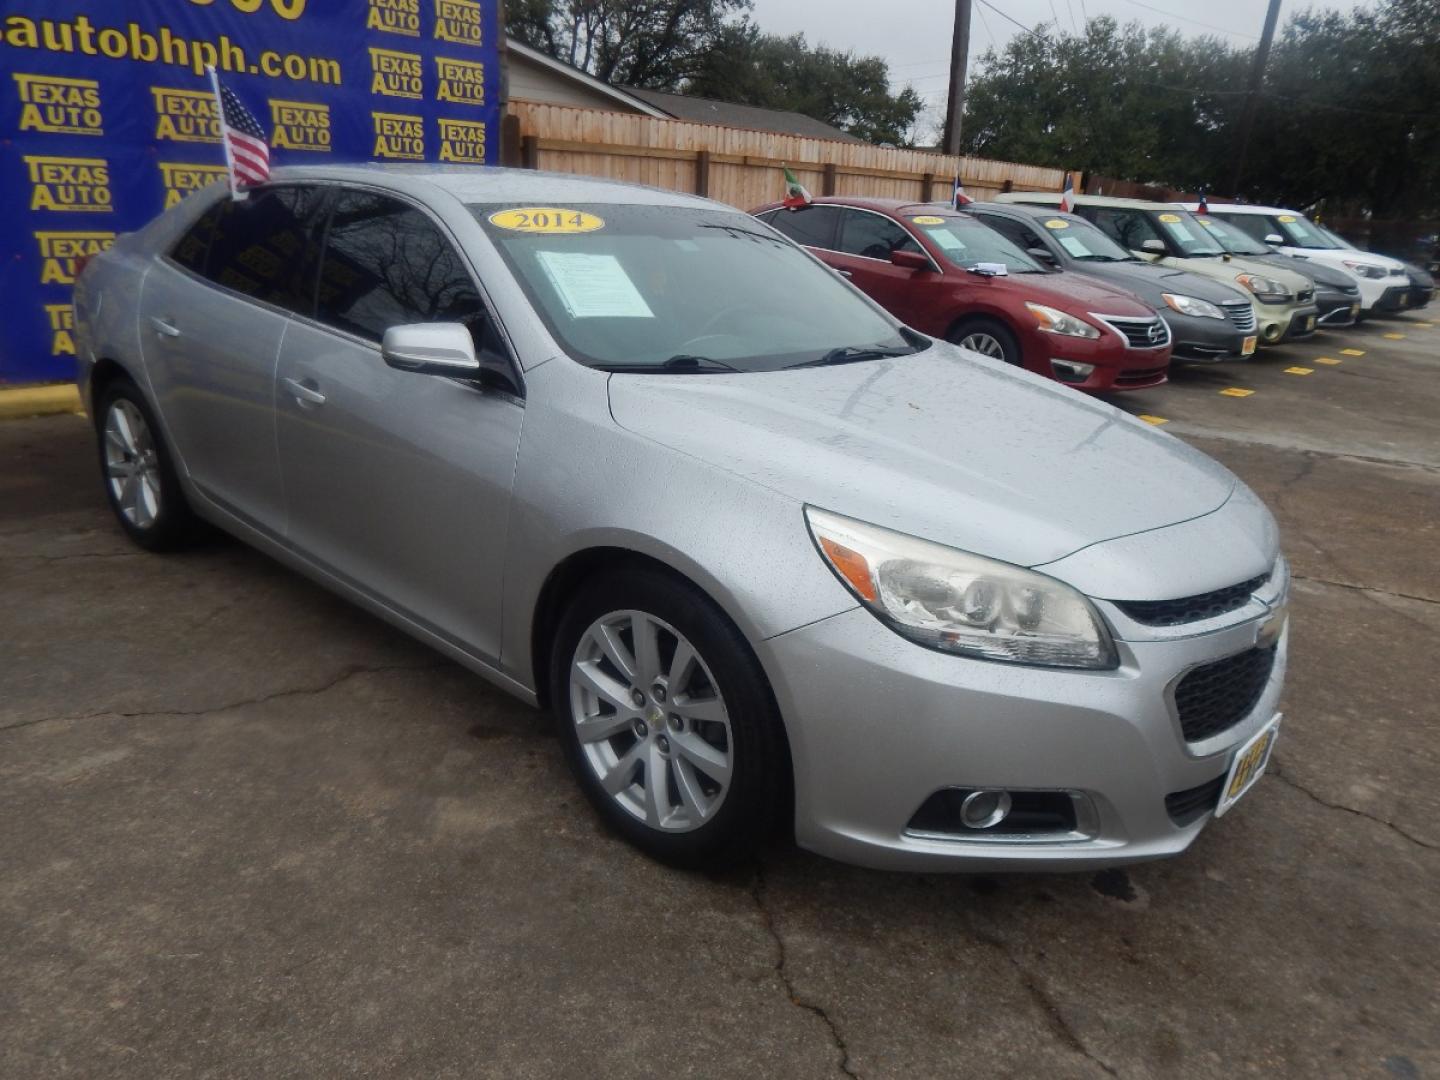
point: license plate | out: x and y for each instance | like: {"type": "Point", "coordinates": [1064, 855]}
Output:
{"type": "Point", "coordinates": [1248, 764]}
{"type": "Point", "coordinates": [1355, 311]}
{"type": "Point", "coordinates": [1248, 345]}
{"type": "Point", "coordinates": [1404, 299]}
{"type": "Point", "coordinates": [1309, 322]}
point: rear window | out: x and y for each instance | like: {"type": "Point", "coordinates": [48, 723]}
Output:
{"type": "Point", "coordinates": [262, 246]}
{"type": "Point", "coordinates": [810, 226]}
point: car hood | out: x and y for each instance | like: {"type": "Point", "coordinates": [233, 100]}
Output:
{"type": "Point", "coordinates": [944, 445]}
{"type": "Point", "coordinates": [1151, 279]}
{"type": "Point", "coordinates": [1078, 294]}
{"type": "Point", "coordinates": [1316, 272]}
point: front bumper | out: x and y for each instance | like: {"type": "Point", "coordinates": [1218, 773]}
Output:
{"type": "Point", "coordinates": [1336, 309]}
{"type": "Point", "coordinates": [1394, 298]}
{"type": "Point", "coordinates": [1297, 323]}
{"type": "Point", "coordinates": [1207, 340]}
{"type": "Point", "coordinates": [877, 724]}
{"type": "Point", "coordinates": [1421, 295]}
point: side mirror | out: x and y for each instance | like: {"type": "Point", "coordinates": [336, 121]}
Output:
{"type": "Point", "coordinates": [1043, 254]}
{"type": "Point", "coordinates": [1275, 239]}
{"type": "Point", "coordinates": [911, 260]}
{"type": "Point", "coordinates": [431, 349]}
{"type": "Point", "coordinates": [1154, 247]}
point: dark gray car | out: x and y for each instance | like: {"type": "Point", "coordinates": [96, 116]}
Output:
{"type": "Point", "coordinates": [1208, 320]}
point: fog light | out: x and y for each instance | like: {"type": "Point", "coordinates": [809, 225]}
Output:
{"type": "Point", "coordinates": [984, 809]}
{"type": "Point", "coordinates": [1070, 371]}
{"type": "Point", "coordinates": [1271, 331]}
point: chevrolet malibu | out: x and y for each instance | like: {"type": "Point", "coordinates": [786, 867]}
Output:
{"type": "Point", "coordinates": [771, 558]}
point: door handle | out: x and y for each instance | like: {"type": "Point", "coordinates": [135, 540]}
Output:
{"type": "Point", "coordinates": [844, 273]}
{"type": "Point", "coordinates": [163, 327]}
{"type": "Point", "coordinates": [305, 392]}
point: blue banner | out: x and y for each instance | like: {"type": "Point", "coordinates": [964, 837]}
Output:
{"type": "Point", "coordinates": [107, 118]}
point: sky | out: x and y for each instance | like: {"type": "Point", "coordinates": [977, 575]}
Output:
{"type": "Point", "coordinates": [914, 35]}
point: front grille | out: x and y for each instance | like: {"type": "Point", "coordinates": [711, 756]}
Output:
{"type": "Point", "coordinates": [1192, 608]}
{"type": "Point", "coordinates": [1242, 314]}
{"type": "Point", "coordinates": [1140, 376]}
{"type": "Point", "coordinates": [1215, 697]}
{"type": "Point", "coordinates": [1194, 803]}
{"type": "Point", "coordinates": [1304, 296]}
{"type": "Point", "coordinates": [1141, 333]}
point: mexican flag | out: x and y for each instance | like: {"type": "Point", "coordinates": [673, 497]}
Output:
{"type": "Point", "coordinates": [795, 193]}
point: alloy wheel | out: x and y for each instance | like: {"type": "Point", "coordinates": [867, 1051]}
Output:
{"type": "Point", "coordinates": [984, 344]}
{"type": "Point", "coordinates": [132, 465]}
{"type": "Point", "coordinates": [651, 722]}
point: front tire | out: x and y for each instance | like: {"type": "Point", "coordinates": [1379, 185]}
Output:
{"type": "Point", "coordinates": [138, 472]}
{"type": "Point", "coordinates": [667, 720]}
{"type": "Point", "coordinates": [988, 337]}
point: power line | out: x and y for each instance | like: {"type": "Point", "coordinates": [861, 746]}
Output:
{"type": "Point", "coordinates": [1186, 18]}
{"type": "Point", "coordinates": [1010, 18]}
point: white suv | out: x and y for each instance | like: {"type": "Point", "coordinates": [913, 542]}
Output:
{"type": "Point", "coordinates": [1384, 284]}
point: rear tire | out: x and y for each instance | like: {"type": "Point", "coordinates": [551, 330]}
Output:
{"type": "Point", "coordinates": [988, 337]}
{"type": "Point", "coordinates": [667, 719]}
{"type": "Point", "coordinates": [138, 472]}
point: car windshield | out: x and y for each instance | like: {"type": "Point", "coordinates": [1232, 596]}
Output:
{"type": "Point", "coordinates": [1335, 238]}
{"type": "Point", "coordinates": [1232, 239]}
{"type": "Point", "coordinates": [966, 243]}
{"type": "Point", "coordinates": [1084, 241]}
{"type": "Point", "coordinates": [1187, 234]}
{"type": "Point", "coordinates": [1301, 233]}
{"type": "Point", "coordinates": [678, 289]}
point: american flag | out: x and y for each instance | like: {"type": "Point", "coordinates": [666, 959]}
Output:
{"type": "Point", "coordinates": [247, 151]}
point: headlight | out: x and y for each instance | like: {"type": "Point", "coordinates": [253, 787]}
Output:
{"type": "Point", "coordinates": [1366, 270]}
{"type": "Point", "coordinates": [1267, 290]}
{"type": "Point", "coordinates": [955, 602]}
{"type": "Point", "coordinates": [1193, 305]}
{"type": "Point", "coordinates": [1057, 322]}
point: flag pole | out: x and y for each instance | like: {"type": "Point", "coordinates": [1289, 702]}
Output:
{"type": "Point", "coordinates": [220, 117]}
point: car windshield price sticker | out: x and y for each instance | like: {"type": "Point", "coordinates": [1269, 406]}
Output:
{"type": "Point", "coordinates": [1056, 223]}
{"type": "Point", "coordinates": [1287, 219]}
{"type": "Point", "coordinates": [928, 220]}
{"type": "Point", "coordinates": [1075, 246]}
{"type": "Point", "coordinates": [946, 239]}
{"type": "Point", "coordinates": [546, 221]}
{"type": "Point", "coordinates": [593, 286]}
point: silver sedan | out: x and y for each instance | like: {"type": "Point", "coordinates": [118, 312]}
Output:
{"type": "Point", "coordinates": [773, 560]}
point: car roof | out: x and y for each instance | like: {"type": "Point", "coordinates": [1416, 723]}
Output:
{"type": "Point", "coordinates": [1250, 208]}
{"type": "Point", "coordinates": [1052, 198]}
{"type": "Point", "coordinates": [482, 184]}
{"type": "Point", "coordinates": [1030, 210]}
{"type": "Point", "coordinates": [893, 207]}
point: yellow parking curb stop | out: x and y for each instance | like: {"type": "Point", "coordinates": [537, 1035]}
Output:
{"type": "Point", "coordinates": [1393, 337]}
{"type": "Point", "coordinates": [1352, 352]}
{"type": "Point", "coordinates": [1156, 420]}
{"type": "Point", "coordinates": [19, 401]}
{"type": "Point", "coordinates": [1299, 371]}
{"type": "Point", "coordinates": [1235, 391]}
{"type": "Point", "coordinates": [1326, 360]}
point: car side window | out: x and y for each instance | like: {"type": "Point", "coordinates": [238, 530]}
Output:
{"type": "Point", "coordinates": [872, 236]}
{"type": "Point", "coordinates": [263, 246]}
{"type": "Point", "coordinates": [386, 264]}
{"type": "Point", "coordinates": [192, 249]}
{"type": "Point", "coordinates": [1256, 226]}
{"type": "Point", "coordinates": [812, 226]}
{"type": "Point", "coordinates": [1128, 228]}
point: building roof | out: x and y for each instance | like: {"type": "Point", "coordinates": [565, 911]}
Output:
{"type": "Point", "coordinates": [699, 110]}
{"type": "Point", "coordinates": [623, 98]}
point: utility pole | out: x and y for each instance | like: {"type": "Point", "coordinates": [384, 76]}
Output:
{"type": "Point", "coordinates": [1252, 100]}
{"type": "Point", "coordinates": [959, 61]}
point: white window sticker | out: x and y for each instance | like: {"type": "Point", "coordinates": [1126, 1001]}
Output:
{"type": "Point", "coordinates": [1075, 246]}
{"type": "Point", "coordinates": [593, 286]}
{"type": "Point", "coordinates": [1179, 230]}
{"type": "Point", "coordinates": [946, 239]}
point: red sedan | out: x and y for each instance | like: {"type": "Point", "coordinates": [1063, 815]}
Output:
{"type": "Point", "coordinates": [949, 276]}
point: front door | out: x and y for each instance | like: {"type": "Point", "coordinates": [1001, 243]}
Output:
{"type": "Point", "coordinates": [397, 482]}
{"type": "Point", "coordinates": [862, 254]}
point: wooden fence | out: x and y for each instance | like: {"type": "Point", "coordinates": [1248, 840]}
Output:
{"type": "Point", "coordinates": [741, 166]}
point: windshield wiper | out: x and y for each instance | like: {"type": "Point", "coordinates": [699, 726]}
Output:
{"type": "Point", "coordinates": [850, 354]}
{"type": "Point", "coordinates": [685, 363]}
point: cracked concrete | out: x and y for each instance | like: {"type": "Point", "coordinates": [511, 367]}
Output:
{"type": "Point", "coordinates": [251, 830]}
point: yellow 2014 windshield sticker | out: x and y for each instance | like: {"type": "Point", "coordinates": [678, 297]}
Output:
{"type": "Point", "coordinates": [1057, 223]}
{"type": "Point", "coordinates": [928, 220]}
{"type": "Point", "coordinates": [546, 220]}
{"type": "Point", "coordinates": [1170, 219]}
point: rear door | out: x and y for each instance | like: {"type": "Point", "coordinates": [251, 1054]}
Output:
{"type": "Point", "coordinates": [214, 312]}
{"type": "Point", "coordinates": [399, 483]}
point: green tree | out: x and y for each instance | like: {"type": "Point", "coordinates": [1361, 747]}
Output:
{"type": "Point", "coordinates": [848, 91]}
{"type": "Point", "coordinates": [655, 44]}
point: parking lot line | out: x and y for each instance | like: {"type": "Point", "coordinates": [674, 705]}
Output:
{"type": "Point", "coordinates": [1157, 420]}
{"type": "Point", "coordinates": [1352, 352]}
{"type": "Point", "coordinates": [1299, 371]}
{"type": "Point", "coordinates": [1426, 325]}
{"type": "Point", "coordinates": [1235, 391]}
{"type": "Point", "coordinates": [1326, 360]}
{"type": "Point", "coordinates": [1393, 337]}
